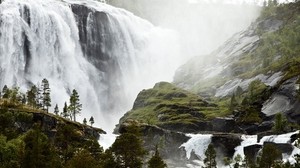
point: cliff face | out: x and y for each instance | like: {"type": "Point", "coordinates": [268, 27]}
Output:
{"type": "Point", "coordinates": [240, 88]}
{"type": "Point", "coordinates": [19, 122]}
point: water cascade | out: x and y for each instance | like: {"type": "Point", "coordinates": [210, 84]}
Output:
{"type": "Point", "coordinates": [107, 54]}
{"type": "Point", "coordinates": [199, 143]}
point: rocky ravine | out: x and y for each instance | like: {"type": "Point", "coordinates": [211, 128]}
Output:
{"type": "Point", "coordinates": [238, 89]}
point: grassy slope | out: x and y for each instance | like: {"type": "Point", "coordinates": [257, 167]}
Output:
{"type": "Point", "coordinates": [167, 104]}
{"type": "Point", "coordinates": [277, 51]}
{"type": "Point", "coordinates": [6, 105]}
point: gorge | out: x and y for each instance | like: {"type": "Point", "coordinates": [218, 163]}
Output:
{"type": "Point", "coordinates": [223, 92]}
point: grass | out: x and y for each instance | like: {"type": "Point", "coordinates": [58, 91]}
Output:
{"type": "Point", "coordinates": [20, 109]}
{"type": "Point", "coordinates": [165, 103]}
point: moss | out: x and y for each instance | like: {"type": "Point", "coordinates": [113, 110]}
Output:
{"type": "Point", "coordinates": [165, 103]}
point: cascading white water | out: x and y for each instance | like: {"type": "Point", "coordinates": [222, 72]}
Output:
{"type": "Point", "coordinates": [282, 138]}
{"type": "Point", "coordinates": [198, 143]}
{"type": "Point", "coordinates": [108, 61]}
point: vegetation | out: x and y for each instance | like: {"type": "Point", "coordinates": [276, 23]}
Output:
{"type": "Point", "coordinates": [156, 161]}
{"type": "Point", "coordinates": [75, 106]}
{"type": "Point", "coordinates": [280, 123]}
{"type": "Point", "coordinates": [46, 99]}
{"type": "Point", "coordinates": [127, 149]}
{"type": "Point", "coordinates": [210, 160]}
{"type": "Point", "coordinates": [166, 104]}
{"type": "Point", "coordinates": [269, 154]}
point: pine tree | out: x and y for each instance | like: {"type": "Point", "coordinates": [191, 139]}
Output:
{"type": "Point", "coordinates": [32, 96]}
{"type": "Point", "coordinates": [15, 95]}
{"type": "Point", "coordinates": [128, 149]}
{"type": "Point", "coordinates": [269, 154]}
{"type": "Point", "coordinates": [24, 100]}
{"type": "Point", "coordinates": [82, 159]}
{"type": "Point", "coordinates": [38, 151]}
{"type": "Point", "coordinates": [156, 161]}
{"type": "Point", "coordinates": [75, 106]}
{"type": "Point", "coordinates": [65, 113]}
{"type": "Point", "coordinates": [46, 100]}
{"type": "Point", "coordinates": [92, 121]}
{"type": "Point", "coordinates": [38, 97]}
{"type": "Point", "coordinates": [210, 160]}
{"type": "Point", "coordinates": [5, 92]}
{"type": "Point", "coordinates": [84, 121]}
{"type": "Point", "coordinates": [56, 110]}
{"type": "Point", "coordinates": [280, 123]}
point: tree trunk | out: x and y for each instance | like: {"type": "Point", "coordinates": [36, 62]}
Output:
{"type": "Point", "coordinates": [74, 116]}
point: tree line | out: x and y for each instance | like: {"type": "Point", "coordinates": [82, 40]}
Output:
{"type": "Point", "coordinates": [39, 97]}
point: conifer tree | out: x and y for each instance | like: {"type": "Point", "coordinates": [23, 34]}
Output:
{"type": "Point", "coordinates": [156, 161]}
{"type": "Point", "coordinates": [65, 113]}
{"type": "Point", "coordinates": [92, 121]}
{"type": "Point", "coordinates": [15, 95]}
{"type": "Point", "coordinates": [210, 160]}
{"type": "Point", "coordinates": [24, 100]}
{"type": "Point", "coordinates": [32, 96]}
{"type": "Point", "coordinates": [75, 106]}
{"type": "Point", "coordinates": [5, 92]}
{"type": "Point", "coordinates": [46, 100]}
{"type": "Point", "coordinates": [84, 121]}
{"type": "Point", "coordinates": [38, 151]}
{"type": "Point", "coordinates": [280, 123]}
{"type": "Point", "coordinates": [38, 97]}
{"type": "Point", "coordinates": [269, 154]}
{"type": "Point", "coordinates": [56, 110]}
{"type": "Point", "coordinates": [128, 149]}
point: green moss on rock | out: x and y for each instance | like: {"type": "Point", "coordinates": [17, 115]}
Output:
{"type": "Point", "coordinates": [166, 105]}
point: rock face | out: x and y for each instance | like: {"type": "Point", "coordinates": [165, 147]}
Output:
{"type": "Point", "coordinates": [23, 121]}
{"type": "Point", "coordinates": [226, 143]}
{"type": "Point", "coordinates": [252, 151]}
{"type": "Point", "coordinates": [223, 124]}
{"type": "Point", "coordinates": [169, 142]}
{"type": "Point", "coordinates": [172, 108]}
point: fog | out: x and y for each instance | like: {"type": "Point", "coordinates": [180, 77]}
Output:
{"type": "Point", "coordinates": [203, 25]}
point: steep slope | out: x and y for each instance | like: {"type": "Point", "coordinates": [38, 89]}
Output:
{"type": "Point", "coordinates": [253, 78]}
{"type": "Point", "coordinates": [170, 107]}
{"type": "Point", "coordinates": [267, 52]}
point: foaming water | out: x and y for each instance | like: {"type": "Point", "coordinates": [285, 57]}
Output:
{"type": "Point", "coordinates": [199, 143]}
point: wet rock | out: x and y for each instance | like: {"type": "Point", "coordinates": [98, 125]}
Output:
{"type": "Point", "coordinates": [226, 143]}
{"type": "Point", "coordinates": [265, 126]}
{"type": "Point", "coordinates": [223, 124]}
{"type": "Point", "coordinates": [251, 151]}
{"type": "Point", "coordinates": [170, 140]}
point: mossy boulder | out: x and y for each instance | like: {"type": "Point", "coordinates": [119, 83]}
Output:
{"type": "Point", "coordinates": [170, 107]}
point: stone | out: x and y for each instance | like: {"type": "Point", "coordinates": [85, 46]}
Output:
{"type": "Point", "coordinates": [223, 124]}
{"type": "Point", "coordinates": [226, 143]}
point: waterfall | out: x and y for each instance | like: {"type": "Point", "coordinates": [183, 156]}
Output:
{"type": "Point", "coordinates": [107, 54]}
{"type": "Point", "coordinates": [198, 143]}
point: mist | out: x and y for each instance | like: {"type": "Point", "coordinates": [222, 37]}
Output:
{"type": "Point", "coordinates": [202, 25]}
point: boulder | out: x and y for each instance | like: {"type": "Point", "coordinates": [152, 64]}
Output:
{"type": "Point", "coordinates": [223, 124]}
{"type": "Point", "coordinates": [251, 152]}
{"type": "Point", "coordinates": [226, 143]}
